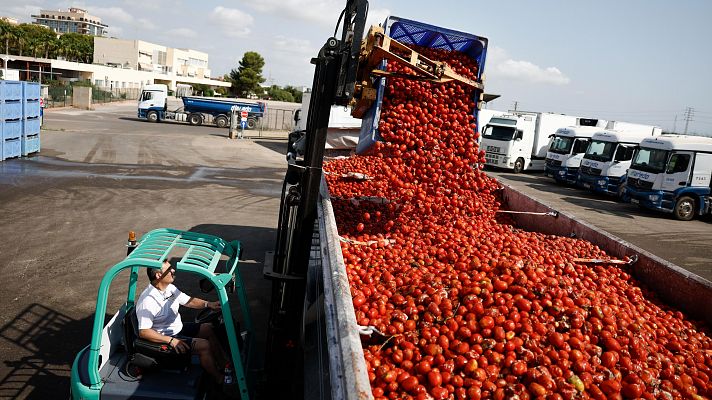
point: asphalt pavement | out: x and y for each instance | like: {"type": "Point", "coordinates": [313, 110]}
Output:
{"type": "Point", "coordinates": [65, 215]}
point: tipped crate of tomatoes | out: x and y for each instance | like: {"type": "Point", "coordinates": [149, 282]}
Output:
{"type": "Point", "coordinates": [468, 306]}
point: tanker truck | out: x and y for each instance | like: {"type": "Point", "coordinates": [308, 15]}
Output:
{"type": "Point", "coordinates": [153, 107]}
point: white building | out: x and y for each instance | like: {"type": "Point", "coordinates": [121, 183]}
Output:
{"type": "Point", "coordinates": [105, 76]}
{"type": "Point", "coordinates": [172, 66]}
{"type": "Point", "coordinates": [74, 20]}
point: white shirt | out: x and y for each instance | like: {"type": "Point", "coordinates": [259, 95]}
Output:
{"type": "Point", "coordinates": [159, 310]}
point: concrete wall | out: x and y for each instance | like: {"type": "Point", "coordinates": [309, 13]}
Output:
{"type": "Point", "coordinates": [81, 97]}
{"type": "Point", "coordinates": [115, 51]}
{"type": "Point", "coordinates": [674, 285]}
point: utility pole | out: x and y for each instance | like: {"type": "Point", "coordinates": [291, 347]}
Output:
{"type": "Point", "coordinates": [674, 125]}
{"type": "Point", "coordinates": [689, 113]}
{"type": "Point", "coordinates": [515, 105]}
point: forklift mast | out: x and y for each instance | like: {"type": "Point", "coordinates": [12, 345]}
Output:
{"type": "Point", "coordinates": [334, 81]}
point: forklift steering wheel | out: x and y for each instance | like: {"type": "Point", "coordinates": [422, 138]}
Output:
{"type": "Point", "coordinates": [209, 315]}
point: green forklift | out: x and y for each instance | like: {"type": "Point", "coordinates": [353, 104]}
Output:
{"type": "Point", "coordinates": [120, 365]}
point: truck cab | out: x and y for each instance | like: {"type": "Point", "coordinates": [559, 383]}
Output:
{"type": "Point", "coordinates": [673, 174]}
{"type": "Point", "coordinates": [566, 151]}
{"type": "Point", "coordinates": [153, 102]}
{"type": "Point", "coordinates": [607, 158]}
{"type": "Point", "coordinates": [505, 143]}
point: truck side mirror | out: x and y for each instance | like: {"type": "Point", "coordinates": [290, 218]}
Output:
{"type": "Point", "coordinates": [519, 135]}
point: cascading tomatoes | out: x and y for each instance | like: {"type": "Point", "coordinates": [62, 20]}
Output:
{"type": "Point", "coordinates": [475, 307]}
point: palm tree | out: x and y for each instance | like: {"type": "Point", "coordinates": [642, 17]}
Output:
{"type": "Point", "coordinates": [8, 33]}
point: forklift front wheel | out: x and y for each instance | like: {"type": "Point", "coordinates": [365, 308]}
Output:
{"type": "Point", "coordinates": [195, 119]}
{"type": "Point", "coordinates": [152, 116]}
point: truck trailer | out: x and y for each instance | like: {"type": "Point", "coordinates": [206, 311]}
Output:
{"type": "Point", "coordinates": [153, 107]}
{"type": "Point", "coordinates": [673, 174]}
{"type": "Point", "coordinates": [519, 140]}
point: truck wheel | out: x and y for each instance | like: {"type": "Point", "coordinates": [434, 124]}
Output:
{"type": "Point", "coordinates": [251, 123]}
{"type": "Point", "coordinates": [519, 165]}
{"type": "Point", "coordinates": [221, 121]}
{"type": "Point", "coordinates": [195, 119]}
{"type": "Point", "coordinates": [152, 116]}
{"type": "Point", "coordinates": [684, 209]}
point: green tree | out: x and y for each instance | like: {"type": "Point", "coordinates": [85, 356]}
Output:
{"type": "Point", "coordinates": [246, 79]}
{"type": "Point", "coordinates": [296, 93]}
{"type": "Point", "coordinates": [277, 93]}
{"type": "Point", "coordinates": [8, 35]}
{"type": "Point", "coordinates": [76, 47]}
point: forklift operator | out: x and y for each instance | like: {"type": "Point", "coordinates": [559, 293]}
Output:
{"type": "Point", "coordinates": [159, 320]}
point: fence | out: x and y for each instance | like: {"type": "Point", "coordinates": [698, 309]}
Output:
{"type": "Point", "coordinates": [61, 95]}
{"type": "Point", "coordinates": [277, 119]}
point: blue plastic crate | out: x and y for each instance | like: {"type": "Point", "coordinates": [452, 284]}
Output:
{"type": "Point", "coordinates": [11, 129]}
{"type": "Point", "coordinates": [11, 109]}
{"type": "Point", "coordinates": [411, 32]}
{"type": "Point", "coordinates": [10, 90]}
{"type": "Point", "coordinates": [30, 144]}
{"type": "Point", "coordinates": [30, 108]}
{"type": "Point", "coordinates": [30, 90]}
{"type": "Point", "coordinates": [30, 126]}
{"type": "Point", "coordinates": [11, 148]}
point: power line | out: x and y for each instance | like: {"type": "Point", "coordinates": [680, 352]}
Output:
{"type": "Point", "coordinates": [689, 113]}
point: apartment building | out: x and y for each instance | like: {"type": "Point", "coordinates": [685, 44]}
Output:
{"type": "Point", "coordinates": [74, 20]}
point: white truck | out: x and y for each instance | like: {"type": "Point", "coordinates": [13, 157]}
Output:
{"type": "Point", "coordinates": [672, 173]}
{"type": "Point", "coordinates": [567, 149]}
{"type": "Point", "coordinates": [608, 156]}
{"type": "Point", "coordinates": [518, 140]}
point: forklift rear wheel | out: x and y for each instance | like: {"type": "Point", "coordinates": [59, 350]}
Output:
{"type": "Point", "coordinates": [519, 165]}
{"type": "Point", "coordinates": [251, 123]}
{"type": "Point", "coordinates": [152, 116]}
{"type": "Point", "coordinates": [685, 209]}
{"type": "Point", "coordinates": [195, 119]}
{"type": "Point", "coordinates": [221, 121]}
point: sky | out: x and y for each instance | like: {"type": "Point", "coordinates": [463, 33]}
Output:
{"type": "Point", "coordinates": [643, 61]}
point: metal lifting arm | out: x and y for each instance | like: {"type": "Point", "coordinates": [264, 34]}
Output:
{"type": "Point", "coordinates": [378, 47]}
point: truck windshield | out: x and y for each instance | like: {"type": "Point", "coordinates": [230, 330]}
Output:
{"type": "Point", "coordinates": [499, 132]}
{"type": "Point", "coordinates": [561, 145]}
{"type": "Point", "coordinates": [600, 151]}
{"type": "Point", "coordinates": [650, 160]}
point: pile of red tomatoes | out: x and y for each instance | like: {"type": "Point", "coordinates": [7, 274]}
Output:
{"type": "Point", "coordinates": [471, 306]}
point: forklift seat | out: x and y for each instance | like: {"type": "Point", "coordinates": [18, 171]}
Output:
{"type": "Point", "coordinates": [144, 355]}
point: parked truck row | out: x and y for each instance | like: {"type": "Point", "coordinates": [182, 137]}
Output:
{"type": "Point", "coordinates": [634, 162]}
{"type": "Point", "coordinates": [669, 173]}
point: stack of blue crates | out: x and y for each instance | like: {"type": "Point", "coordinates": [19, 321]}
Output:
{"type": "Point", "coordinates": [11, 104]}
{"type": "Point", "coordinates": [30, 118]}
